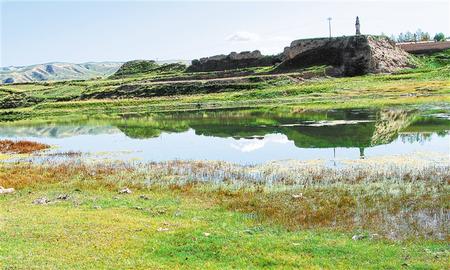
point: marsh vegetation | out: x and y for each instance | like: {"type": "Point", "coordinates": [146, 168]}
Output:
{"type": "Point", "coordinates": [300, 170]}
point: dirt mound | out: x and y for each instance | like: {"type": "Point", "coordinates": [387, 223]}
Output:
{"type": "Point", "coordinates": [349, 56]}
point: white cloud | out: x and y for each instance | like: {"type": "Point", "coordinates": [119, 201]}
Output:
{"type": "Point", "coordinates": [250, 145]}
{"type": "Point", "coordinates": [242, 36]}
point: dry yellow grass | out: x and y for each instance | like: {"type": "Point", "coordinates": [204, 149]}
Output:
{"type": "Point", "coordinates": [21, 147]}
{"type": "Point", "coordinates": [397, 207]}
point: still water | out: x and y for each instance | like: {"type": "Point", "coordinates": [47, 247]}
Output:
{"type": "Point", "coordinates": [247, 136]}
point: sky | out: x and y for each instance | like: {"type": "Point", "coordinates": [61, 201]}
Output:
{"type": "Point", "coordinates": [34, 32]}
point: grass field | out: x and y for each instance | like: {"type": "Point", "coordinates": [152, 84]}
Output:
{"type": "Point", "coordinates": [214, 215]}
{"type": "Point", "coordinates": [82, 222]}
{"type": "Point", "coordinates": [174, 90]}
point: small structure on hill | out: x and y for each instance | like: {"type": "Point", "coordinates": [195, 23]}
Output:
{"type": "Point", "coordinates": [357, 26]}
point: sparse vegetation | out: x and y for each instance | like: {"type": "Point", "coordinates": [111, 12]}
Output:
{"type": "Point", "coordinates": [67, 213]}
{"type": "Point", "coordinates": [176, 219]}
{"type": "Point", "coordinates": [20, 147]}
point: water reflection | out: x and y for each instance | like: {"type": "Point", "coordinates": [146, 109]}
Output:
{"type": "Point", "coordinates": [248, 136]}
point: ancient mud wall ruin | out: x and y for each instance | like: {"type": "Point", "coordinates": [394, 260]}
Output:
{"type": "Point", "coordinates": [349, 56]}
{"type": "Point", "coordinates": [233, 61]}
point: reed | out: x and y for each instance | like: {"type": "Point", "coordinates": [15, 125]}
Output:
{"type": "Point", "coordinates": [396, 201]}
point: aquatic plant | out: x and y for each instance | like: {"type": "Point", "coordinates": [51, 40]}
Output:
{"type": "Point", "coordinates": [395, 200]}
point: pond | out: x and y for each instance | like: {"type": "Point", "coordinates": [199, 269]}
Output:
{"type": "Point", "coordinates": [246, 136]}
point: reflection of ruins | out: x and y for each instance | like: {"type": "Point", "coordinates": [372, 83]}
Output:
{"type": "Point", "coordinates": [359, 129]}
{"type": "Point", "coordinates": [333, 129]}
{"type": "Point", "coordinates": [388, 124]}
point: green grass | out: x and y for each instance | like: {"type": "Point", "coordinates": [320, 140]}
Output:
{"type": "Point", "coordinates": [94, 226]}
{"type": "Point", "coordinates": [154, 92]}
{"type": "Point", "coordinates": [224, 226]}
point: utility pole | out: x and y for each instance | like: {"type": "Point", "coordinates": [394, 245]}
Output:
{"type": "Point", "coordinates": [329, 25]}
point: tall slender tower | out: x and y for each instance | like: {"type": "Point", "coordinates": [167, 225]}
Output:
{"type": "Point", "coordinates": [358, 32]}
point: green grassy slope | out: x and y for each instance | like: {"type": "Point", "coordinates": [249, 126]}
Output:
{"type": "Point", "coordinates": [171, 89]}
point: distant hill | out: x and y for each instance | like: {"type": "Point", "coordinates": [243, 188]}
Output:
{"type": "Point", "coordinates": [57, 71]}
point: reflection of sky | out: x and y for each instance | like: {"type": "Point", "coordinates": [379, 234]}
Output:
{"type": "Point", "coordinates": [188, 146]}
{"type": "Point", "coordinates": [250, 145]}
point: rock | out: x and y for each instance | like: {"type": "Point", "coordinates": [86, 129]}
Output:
{"type": "Point", "coordinates": [357, 237]}
{"type": "Point", "coordinates": [161, 229]}
{"type": "Point", "coordinates": [6, 190]}
{"type": "Point", "coordinates": [161, 211]}
{"type": "Point", "coordinates": [206, 234]}
{"type": "Point", "coordinates": [42, 200]}
{"type": "Point", "coordinates": [125, 191]}
{"type": "Point", "coordinates": [62, 197]}
{"type": "Point", "coordinates": [144, 197]}
{"type": "Point", "coordinates": [297, 196]}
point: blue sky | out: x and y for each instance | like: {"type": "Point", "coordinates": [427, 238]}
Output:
{"type": "Point", "coordinates": [80, 31]}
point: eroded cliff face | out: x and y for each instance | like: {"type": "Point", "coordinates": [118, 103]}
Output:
{"type": "Point", "coordinates": [348, 56]}
{"type": "Point", "coordinates": [233, 61]}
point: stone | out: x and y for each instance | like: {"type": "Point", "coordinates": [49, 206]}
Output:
{"type": "Point", "coordinates": [42, 200]}
{"type": "Point", "coordinates": [6, 190]}
{"type": "Point", "coordinates": [62, 197]}
{"type": "Point", "coordinates": [125, 191]}
{"type": "Point", "coordinates": [357, 237]}
{"type": "Point", "coordinates": [297, 196]}
{"type": "Point", "coordinates": [161, 229]}
{"type": "Point", "coordinates": [206, 234]}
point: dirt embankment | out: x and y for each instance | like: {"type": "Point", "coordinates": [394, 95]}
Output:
{"type": "Point", "coordinates": [349, 56]}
